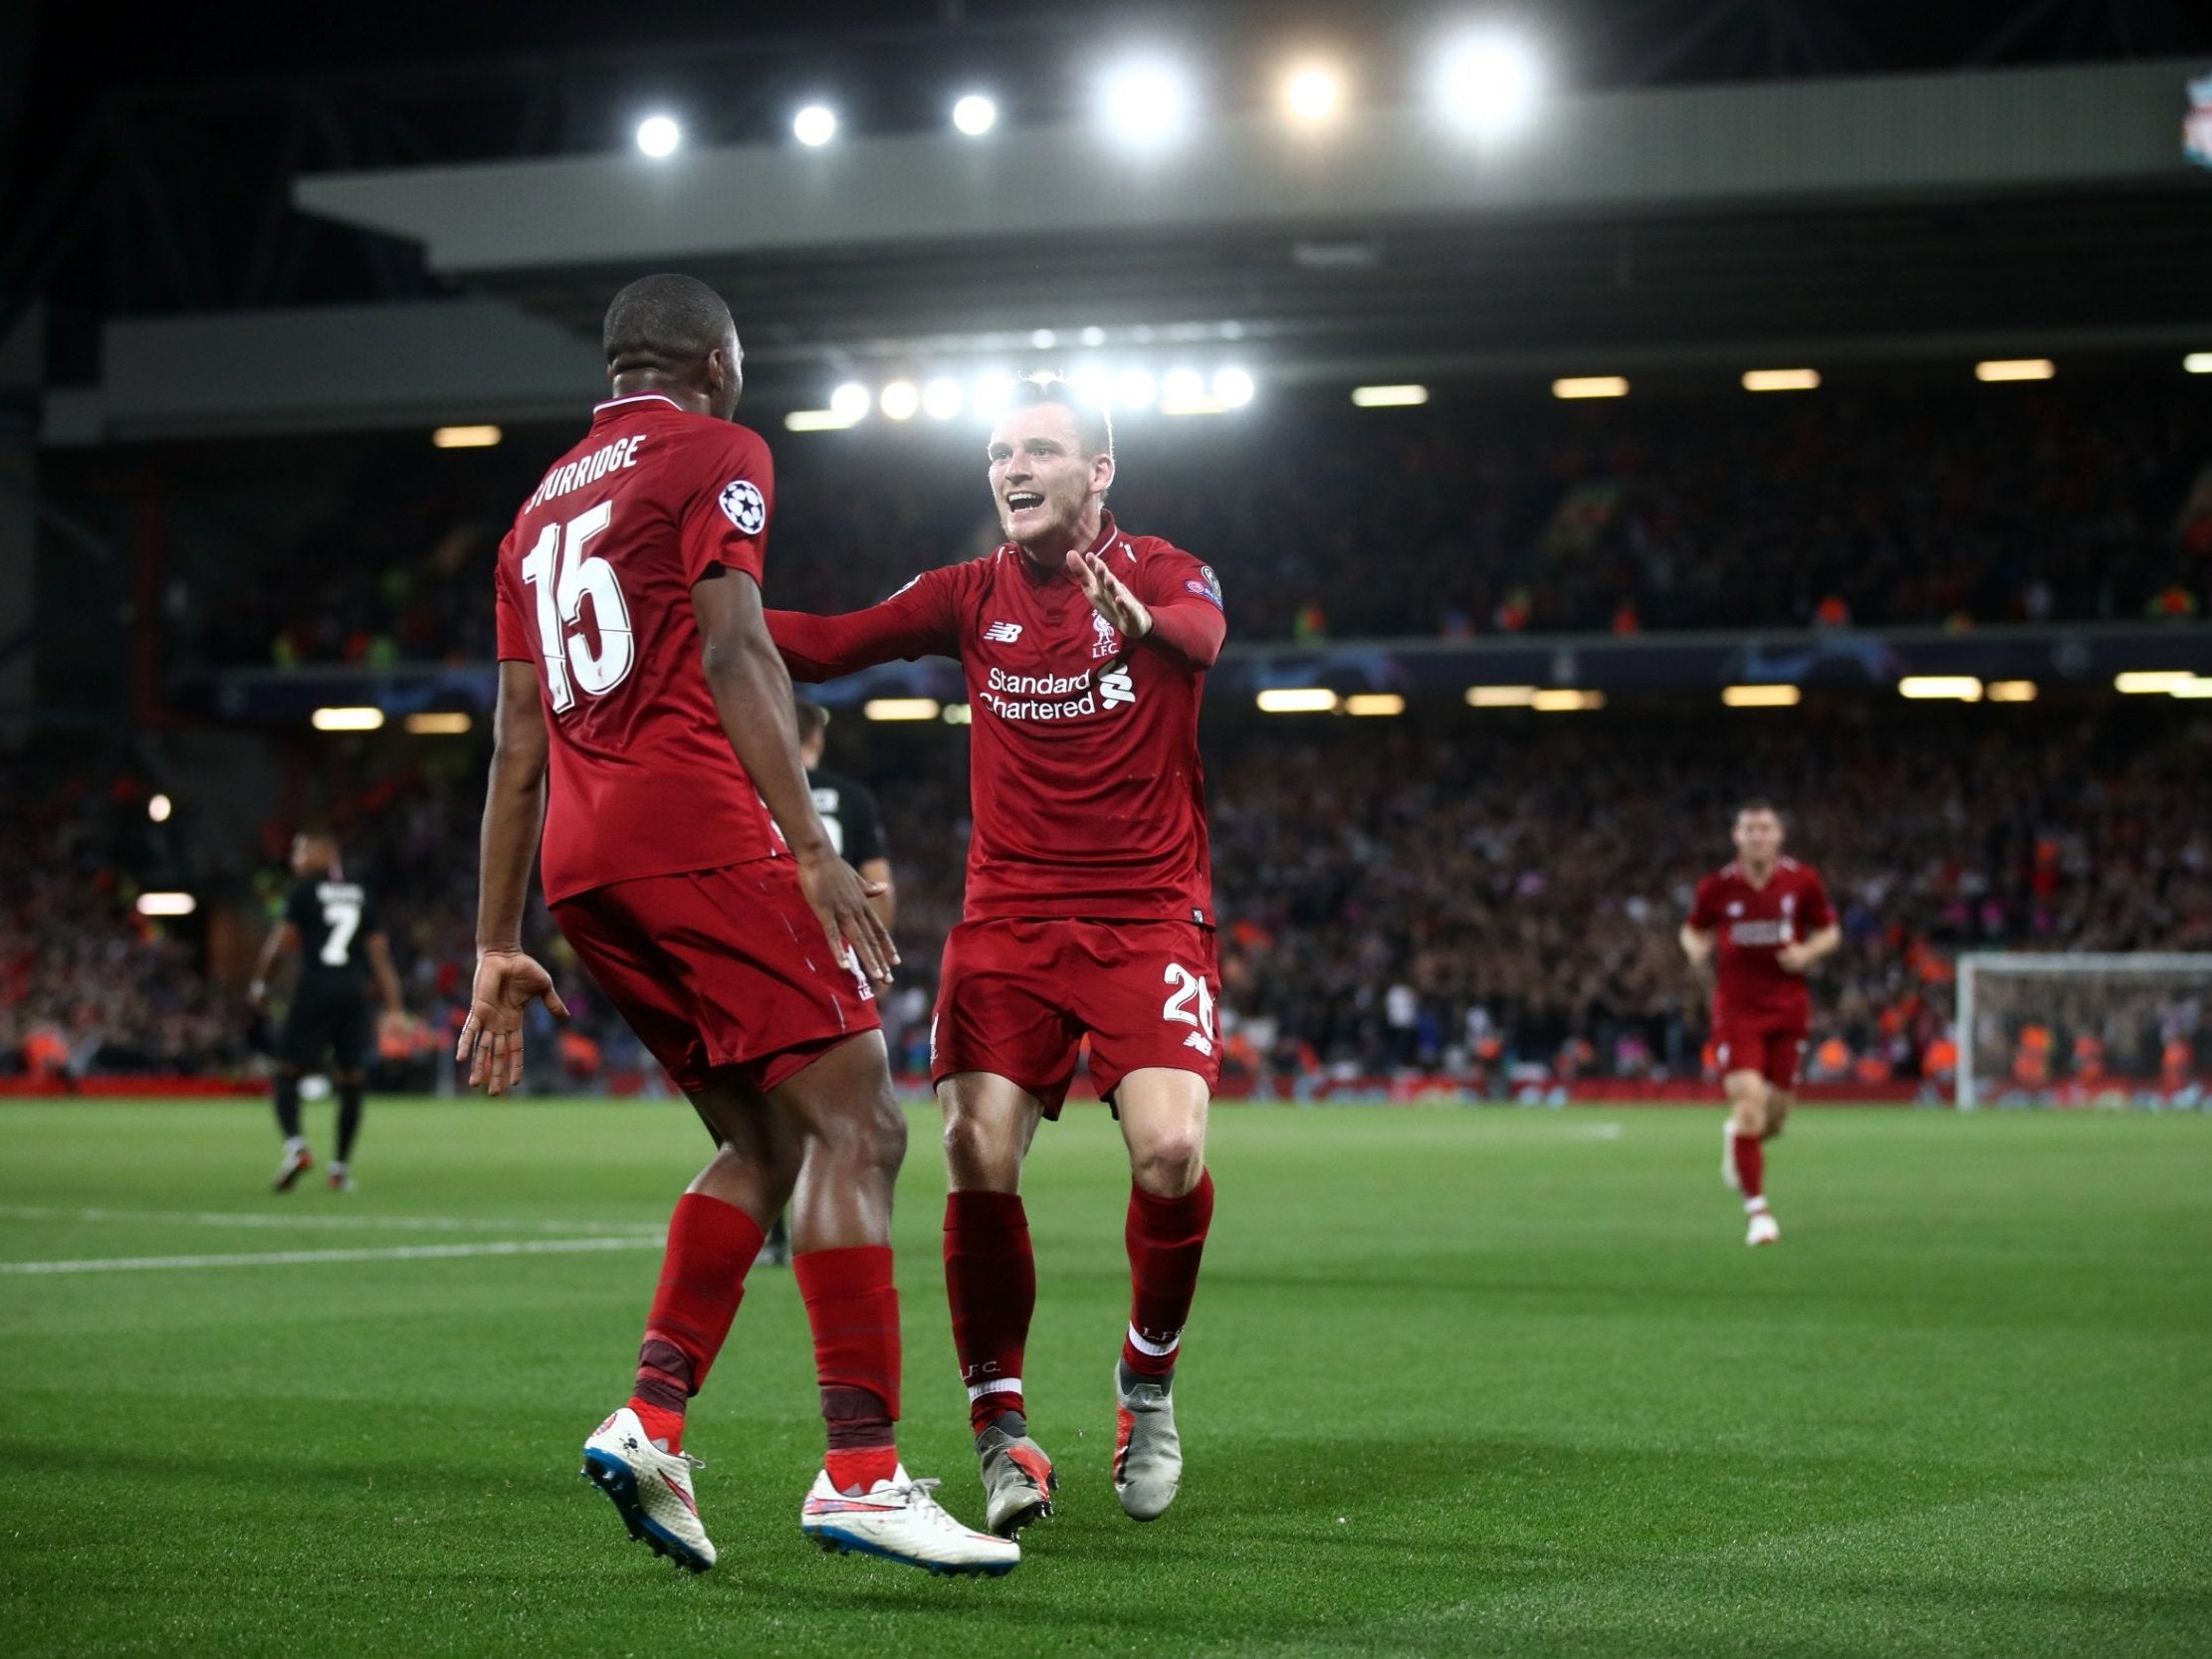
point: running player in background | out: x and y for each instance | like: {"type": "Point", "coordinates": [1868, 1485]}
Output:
{"type": "Point", "coordinates": [1762, 922]}
{"type": "Point", "coordinates": [855, 825]}
{"type": "Point", "coordinates": [332, 924]}
{"type": "Point", "coordinates": [1088, 910]}
{"type": "Point", "coordinates": [684, 860]}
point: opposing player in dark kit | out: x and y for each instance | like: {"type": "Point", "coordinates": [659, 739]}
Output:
{"type": "Point", "coordinates": [332, 923]}
{"type": "Point", "coordinates": [1088, 912]}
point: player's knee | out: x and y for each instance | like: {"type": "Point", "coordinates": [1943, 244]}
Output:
{"type": "Point", "coordinates": [1167, 1161]}
{"type": "Point", "coordinates": [978, 1154]}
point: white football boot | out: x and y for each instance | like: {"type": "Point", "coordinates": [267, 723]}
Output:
{"type": "Point", "coordinates": [1148, 1453]}
{"type": "Point", "coordinates": [294, 1161]}
{"type": "Point", "coordinates": [898, 1520]}
{"type": "Point", "coordinates": [1764, 1229]}
{"type": "Point", "coordinates": [650, 1490]}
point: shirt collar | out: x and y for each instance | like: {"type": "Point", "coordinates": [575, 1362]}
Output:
{"type": "Point", "coordinates": [1108, 533]}
{"type": "Point", "coordinates": [601, 410]}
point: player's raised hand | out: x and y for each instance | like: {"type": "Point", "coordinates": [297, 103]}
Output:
{"type": "Point", "coordinates": [506, 984]}
{"type": "Point", "coordinates": [1110, 596]}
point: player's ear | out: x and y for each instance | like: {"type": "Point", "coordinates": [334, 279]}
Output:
{"type": "Point", "coordinates": [1102, 474]}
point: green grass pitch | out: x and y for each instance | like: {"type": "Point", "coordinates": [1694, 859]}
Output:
{"type": "Point", "coordinates": [1458, 1382]}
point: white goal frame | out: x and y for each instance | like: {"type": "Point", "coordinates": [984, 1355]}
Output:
{"type": "Point", "coordinates": [2050, 964]}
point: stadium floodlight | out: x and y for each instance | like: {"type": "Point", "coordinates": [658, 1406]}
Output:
{"type": "Point", "coordinates": [1487, 84]}
{"type": "Point", "coordinates": [900, 709]}
{"type": "Point", "coordinates": [347, 719]}
{"type": "Point", "coordinates": [1094, 335]}
{"type": "Point", "coordinates": [1145, 104]}
{"type": "Point", "coordinates": [1781, 380]}
{"type": "Point", "coordinates": [1389, 397]}
{"type": "Point", "coordinates": [958, 713]}
{"type": "Point", "coordinates": [465, 437]}
{"type": "Point", "coordinates": [159, 808]}
{"type": "Point", "coordinates": [899, 400]}
{"type": "Point", "coordinates": [1044, 340]}
{"type": "Point", "coordinates": [990, 394]}
{"type": "Point", "coordinates": [2015, 368]}
{"type": "Point", "coordinates": [1232, 387]}
{"type": "Point", "coordinates": [1590, 385]}
{"type": "Point", "coordinates": [1092, 384]}
{"type": "Point", "coordinates": [1500, 697]}
{"type": "Point", "coordinates": [659, 137]}
{"type": "Point", "coordinates": [1312, 95]}
{"type": "Point", "coordinates": [1566, 702]}
{"type": "Point", "coordinates": [2153, 681]}
{"type": "Point", "coordinates": [814, 125]}
{"type": "Point", "coordinates": [1761, 697]}
{"type": "Point", "coordinates": [440, 723]}
{"type": "Point", "coordinates": [2195, 690]}
{"type": "Point", "coordinates": [2012, 690]}
{"type": "Point", "coordinates": [816, 420]}
{"type": "Point", "coordinates": [941, 399]}
{"type": "Point", "coordinates": [1371, 704]}
{"type": "Point", "coordinates": [850, 402]}
{"type": "Point", "coordinates": [1957, 688]}
{"type": "Point", "coordinates": [975, 114]}
{"type": "Point", "coordinates": [2197, 362]}
{"type": "Point", "coordinates": [1297, 700]}
{"type": "Point", "coordinates": [1135, 388]}
{"type": "Point", "coordinates": [166, 904]}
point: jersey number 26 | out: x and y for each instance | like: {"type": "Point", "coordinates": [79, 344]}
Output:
{"type": "Point", "coordinates": [571, 662]}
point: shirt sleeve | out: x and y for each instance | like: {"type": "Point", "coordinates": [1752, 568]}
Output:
{"type": "Point", "coordinates": [299, 908]}
{"type": "Point", "coordinates": [727, 522]}
{"type": "Point", "coordinates": [515, 642]}
{"type": "Point", "coordinates": [1704, 909]}
{"type": "Point", "coordinates": [920, 620]}
{"type": "Point", "coordinates": [863, 826]}
{"type": "Point", "coordinates": [1818, 913]}
{"type": "Point", "coordinates": [1189, 621]}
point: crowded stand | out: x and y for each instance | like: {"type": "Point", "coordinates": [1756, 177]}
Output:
{"type": "Point", "coordinates": [1490, 899]}
{"type": "Point", "coordinates": [1888, 507]}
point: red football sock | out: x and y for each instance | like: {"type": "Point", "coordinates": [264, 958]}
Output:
{"type": "Point", "coordinates": [1166, 1238]}
{"type": "Point", "coordinates": [1751, 1165]}
{"type": "Point", "coordinates": [710, 1244]}
{"type": "Point", "coordinates": [854, 1312]}
{"type": "Point", "coordinates": [991, 1279]}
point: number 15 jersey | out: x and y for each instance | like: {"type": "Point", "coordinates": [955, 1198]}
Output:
{"type": "Point", "coordinates": [595, 587]}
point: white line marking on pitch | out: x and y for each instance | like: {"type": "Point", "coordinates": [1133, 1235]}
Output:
{"type": "Point", "coordinates": [356, 1223]}
{"type": "Point", "coordinates": [298, 1258]}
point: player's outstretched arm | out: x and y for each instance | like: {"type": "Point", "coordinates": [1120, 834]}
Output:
{"type": "Point", "coordinates": [282, 938]}
{"type": "Point", "coordinates": [913, 622]}
{"type": "Point", "coordinates": [1698, 944]}
{"type": "Point", "coordinates": [1822, 942]}
{"type": "Point", "coordinates": [507, 980]}
{"type": "Point", "coordinates": [752, 694]}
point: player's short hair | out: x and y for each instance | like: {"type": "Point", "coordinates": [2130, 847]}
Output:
{"type": "Point", "coordinates": [665, 322]}
{"type": "Point", "coordinates": [1758, 804]}
{"type": "Point", "coordinates": [1094, 427]}
{"type": "Point", "coordinates": [812, 718]}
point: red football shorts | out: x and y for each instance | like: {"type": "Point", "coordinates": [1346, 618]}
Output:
{"type": "Point", "coordinates": [1017, 998]}
{"type": "Point", "coordinates": [720, 967]}
{"type": "Point", "coordinates": [1775, 1052]}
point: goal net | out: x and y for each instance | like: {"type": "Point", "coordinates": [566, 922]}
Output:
{"type": "Point", "coordinates": [2084, 1029]}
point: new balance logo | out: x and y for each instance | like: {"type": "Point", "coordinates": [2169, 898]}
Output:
{"type": "Point", "coordinates": [1116, 687]}
{"type": "Point", "coordinates": [1003, 633]}
{"type": "Point", "coordinates": [1202, 1044]}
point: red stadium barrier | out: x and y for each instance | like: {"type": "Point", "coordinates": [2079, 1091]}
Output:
{"type": "Point", "coordinates": [136, 1088]}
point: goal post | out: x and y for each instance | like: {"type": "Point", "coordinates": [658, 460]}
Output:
{"type": "Point", "coordinates": [2083, 1028]}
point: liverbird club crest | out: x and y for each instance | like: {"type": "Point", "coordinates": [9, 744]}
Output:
{"type": "Point", "coordinates": [1104, 641]}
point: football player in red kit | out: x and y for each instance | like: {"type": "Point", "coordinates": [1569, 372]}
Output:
{"type": "Point", "coordinates": [1762, 922]}
{"type": "Point", "coordinates": [1088, 912]}
{"type": "Point", "coordinates": [684, 859]}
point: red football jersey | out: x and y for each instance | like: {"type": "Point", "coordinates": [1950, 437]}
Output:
{"type": "Point", "coordinates": [1750, 924]}
{"type": "Point", "coordinates": [1088, 797]}
{"type": "Point", "coordinates": [595, 587]}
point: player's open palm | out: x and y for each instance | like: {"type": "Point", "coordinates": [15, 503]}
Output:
{"type": "Point", "coordinates": [1109, 595]}
{"type": "Point", "coordinates": [506, 984]}
{"type": "Point", "coordinates": [839, 894]}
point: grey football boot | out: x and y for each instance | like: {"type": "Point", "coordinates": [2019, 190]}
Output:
{"type": "Point", "coordinates": [1148, 1453]}
{"type": "Point", "coordinates": [1018, 1481]}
